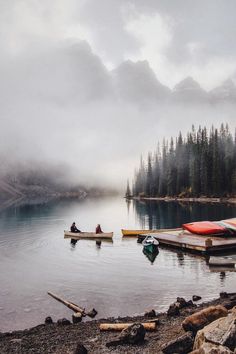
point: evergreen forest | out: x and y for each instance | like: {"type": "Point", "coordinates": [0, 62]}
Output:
{"type": "Point", "coordinates": [202, 164]}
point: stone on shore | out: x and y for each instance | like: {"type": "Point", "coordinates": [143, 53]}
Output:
{"type": "Point", "coordinates": [80, 349]}
{"type": "Point", "coordinates": [183, 303]}
{"type": "Point", "coordinates": [181, 345]}
{"type": "Point", "coordinates": [77, 317]}
{"type": "Point", "coordinates": [92, 313]}
{"type": "Point", "coordinates": [48, 320]}
{"type": "Point", "coordinates": [150, 314]}
{"type": "Point", "coordinates": [133, 334]}
{"type": "Point", "coordinates": [174, 309]}
{"type": "Point", "coordinates": [63, 322]}
{"type": "Point", "coordinates": [229, 302]}
{"type": "Point", "coordinates": [224, 294]}
{"type": "Point", "coordinates": [202, 318]}
{"type": "Point", "coordinates": [210, 348]}
{"type": "Point", "coordinates": [221, 332]}
{"type": "Point", "coordinates": [196, 298]}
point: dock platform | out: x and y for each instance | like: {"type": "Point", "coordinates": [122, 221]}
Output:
{"type": "Point", "coordinates": [196, 243]}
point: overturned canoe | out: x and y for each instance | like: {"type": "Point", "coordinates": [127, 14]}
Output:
{"type": "Point", "coordinates": [90, 235]}
{"type": "Point", "coordinates": [223, 228]}
{"type": "Point", "coordinates": [141, 232]}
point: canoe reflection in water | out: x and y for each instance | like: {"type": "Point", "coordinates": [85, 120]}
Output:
{"type": "Point", "coordinates": [73, 242]}
{"type": "Point", "coordinates": [151, 255]}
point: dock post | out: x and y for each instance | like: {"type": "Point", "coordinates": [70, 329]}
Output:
{"type": "Point", "coordinates": [208, 242]}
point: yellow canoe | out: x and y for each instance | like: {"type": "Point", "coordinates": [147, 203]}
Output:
{"type": "Point", "coordinates": [141, 232]}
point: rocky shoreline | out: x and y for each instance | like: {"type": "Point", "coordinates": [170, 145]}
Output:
{"type": "Point", "coordinates": [63, 337]}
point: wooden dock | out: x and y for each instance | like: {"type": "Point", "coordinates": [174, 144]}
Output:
{"type": "Point", "coordinates": [196, 243]}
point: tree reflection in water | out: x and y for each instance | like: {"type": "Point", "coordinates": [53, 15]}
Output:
{"type": "Point", "coordinates": [154, 214]}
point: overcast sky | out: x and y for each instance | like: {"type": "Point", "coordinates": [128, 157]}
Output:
{"type": "Point", "coordinates": [57, 63]}
{"type": "Point", "coordinates": [178, 38]}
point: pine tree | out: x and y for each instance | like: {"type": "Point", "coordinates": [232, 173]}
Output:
{"type": "Point", "coordinates": [200, 164]}
{"type": "Point", "coordinates": [128, 191]}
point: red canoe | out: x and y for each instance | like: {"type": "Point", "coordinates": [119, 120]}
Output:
{"type": "Point", "coordinates": [204, 228]}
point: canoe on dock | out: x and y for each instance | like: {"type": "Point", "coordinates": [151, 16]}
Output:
{"type": "Point", "coordinates": [143, 232]}
{"type": "Point", "coordinates": [87, 235]}
{"type": "Point", "coordinates": [195, 243]}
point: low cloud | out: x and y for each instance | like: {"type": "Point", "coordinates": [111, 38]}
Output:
{"type": "Point", "coordinates": [61, 105]}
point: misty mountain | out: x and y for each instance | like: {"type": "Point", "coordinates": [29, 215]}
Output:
{"type": "Point", "coordinates": [37, 181]}
{"type": "Point", "coordinates": [137, 82]}
{"type": "Point", "coordinates": [189, 90]}
{"type": "Point", "coordinates": [59, 74]}
{"type": "Point", "coordinates": [225, 92]}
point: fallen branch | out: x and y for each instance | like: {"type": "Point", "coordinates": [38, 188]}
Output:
{"type": "Point", "coordinates": [149, 326]}
{"type": "Point", "coordinates": [73, 306]}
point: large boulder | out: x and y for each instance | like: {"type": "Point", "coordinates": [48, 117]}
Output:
{"type": "Point", "coordinates": [200, 319]}
{"type": "Point", "coordinates": [220, 332]}
{"type": "Point", "coordinates": [181, 345]}
{"type": "Point", "coordinates": [210, 348]}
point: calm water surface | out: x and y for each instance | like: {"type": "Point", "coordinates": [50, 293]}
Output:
{"type": "Point", "coordinates": [117, 278]}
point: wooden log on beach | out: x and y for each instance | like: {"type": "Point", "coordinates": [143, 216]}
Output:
{"type": "Point", "coordinates": [149, 326]}
{"type": "Point", "coordinates": [70, 305]}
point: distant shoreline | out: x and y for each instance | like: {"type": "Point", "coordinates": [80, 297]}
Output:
{"type": "Point", "coordinates": [231, 200]}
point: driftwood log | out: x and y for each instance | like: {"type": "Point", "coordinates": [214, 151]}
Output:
{"type": "Point", "coordinates": [149, 326]}
{"type": "Point", "coordinates": [73, 307]}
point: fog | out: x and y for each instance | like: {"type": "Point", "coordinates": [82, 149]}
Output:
{"type": "Point", "coordinates": [91, 102]}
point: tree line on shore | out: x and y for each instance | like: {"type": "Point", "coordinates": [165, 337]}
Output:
{"type": "Point", "coordinates": [201, 164]}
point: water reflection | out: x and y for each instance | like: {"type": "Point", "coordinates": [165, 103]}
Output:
{"type": "Point", "coordinates": [150, 255]}
{"type": "Point", "coordinates": [180, 257]}
{"type": "Point", "coordinates": [98, 243]}
{"type": "Point", "coordinates": [105, 276]}
{"type": "Point", "coordinates": [73, 242]}
{"type": "Point", "coordinates": [162, 214]}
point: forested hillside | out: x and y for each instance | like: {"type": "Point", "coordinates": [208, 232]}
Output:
{"type": "Point", "coordinates": [201, 164]}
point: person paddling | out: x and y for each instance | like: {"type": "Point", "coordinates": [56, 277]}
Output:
{"type": "Point", "coordinates": [98, 229]}
{"type": "Point", "coordinates": [73, 228]}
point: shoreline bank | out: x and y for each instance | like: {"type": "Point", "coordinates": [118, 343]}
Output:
{"type": "Point", "coordinates": [187, 200]}
{"type": "Point", "coordinates": [58, 339]}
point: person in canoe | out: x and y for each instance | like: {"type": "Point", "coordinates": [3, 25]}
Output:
{"type": "Point", "coordinates": [98, 229]}
{"type": "Point", "coordinates": [74, 229]}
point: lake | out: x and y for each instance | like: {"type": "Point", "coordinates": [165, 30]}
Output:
{"type": "Point", "coordinates": [116, 278]}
